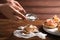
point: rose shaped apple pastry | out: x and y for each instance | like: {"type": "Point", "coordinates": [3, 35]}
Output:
{"type": "Point", "coordinates": [30, 28]}
{"type": "Point", "coordinates": [50, 23]}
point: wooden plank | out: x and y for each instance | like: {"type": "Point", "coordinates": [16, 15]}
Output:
{"type": "Point", "coordinates": [46, 16]}
{"type": "Point", "coordinates": [40, 3]}
{"type": "Point", "coordinates": [20, 22]}
{"type": "Point", "coordinates": [44, 10]}
{"type": "Point", "coordinates": [37, 0]}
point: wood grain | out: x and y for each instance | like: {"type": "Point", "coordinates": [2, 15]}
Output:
{"type": "Point", "coordinates": [40, 3]}
{"type": "Point", "coordinates": [37, 0]}
{"type": "Point", "coordinates": [43, 10]}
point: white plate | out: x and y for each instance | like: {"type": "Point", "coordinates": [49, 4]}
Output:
{"type": "Point", "coordinates": [21, 35]}
{"type": "Point", "coordinates": [52, 31]}
{"type": "Point", "coordinates": [18, 33]}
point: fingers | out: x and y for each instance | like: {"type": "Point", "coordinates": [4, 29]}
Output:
{"type": "Point", "coordinates": [6, 10]}
{"type": "Point", "coordinates": [18, 13]}
{"type": "Point", "coordinates": [22, 11]}
{"type": "Point", "coordinates": [20, 7]}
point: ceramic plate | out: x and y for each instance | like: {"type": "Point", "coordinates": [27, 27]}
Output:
{"type": "Point", "coordinates": [18, 33]}
{"type": "Point", "coordinates": [52, 31]}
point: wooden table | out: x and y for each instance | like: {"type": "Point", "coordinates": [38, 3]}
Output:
{"type": "Point", "coordinates": [7, 27]}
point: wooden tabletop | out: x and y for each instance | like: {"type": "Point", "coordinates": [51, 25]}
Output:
{"type": "Point", "coordinates": [7, 27]}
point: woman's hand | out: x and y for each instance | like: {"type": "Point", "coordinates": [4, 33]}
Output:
{"type": "Point", "coordinates": [9, 10]}
{"type": "Point", "coordinates": [18, 9]}
{"type": "Point", "coordinates": [13, 10]}
{"type": "Point", "coordinates": [19, 5]}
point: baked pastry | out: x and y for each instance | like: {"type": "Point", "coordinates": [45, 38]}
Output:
{"type": "Point", "coordinates": [50, 23]}
{"type": "Point", "coordinates": [30, 28]}
{"type": "Point", "coordinates": [56, 18]}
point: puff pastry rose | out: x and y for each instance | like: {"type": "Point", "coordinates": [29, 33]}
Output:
{"type": "Point", "coordinates": [53, 22]}
{"type": "Point", "coordinates": [50, 23]}
{"type": "Point", "coordinates": [30, 28]}
{"type": "Point", "coordinates": [56, 18]}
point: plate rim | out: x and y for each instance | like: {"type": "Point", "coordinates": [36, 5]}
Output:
{"type": "Point", "coordinates": [50, 32]}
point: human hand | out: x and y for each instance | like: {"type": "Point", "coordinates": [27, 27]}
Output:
{"type": "Point", "coordinates": [8, 11]}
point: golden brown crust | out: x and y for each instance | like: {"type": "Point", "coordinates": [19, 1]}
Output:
{"type": "Point", "coordinates": [56, 18]}
{"type": "Point", "coordinates": [49, 23]}
{"type": "Point", "coordinates": [30, 28]}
